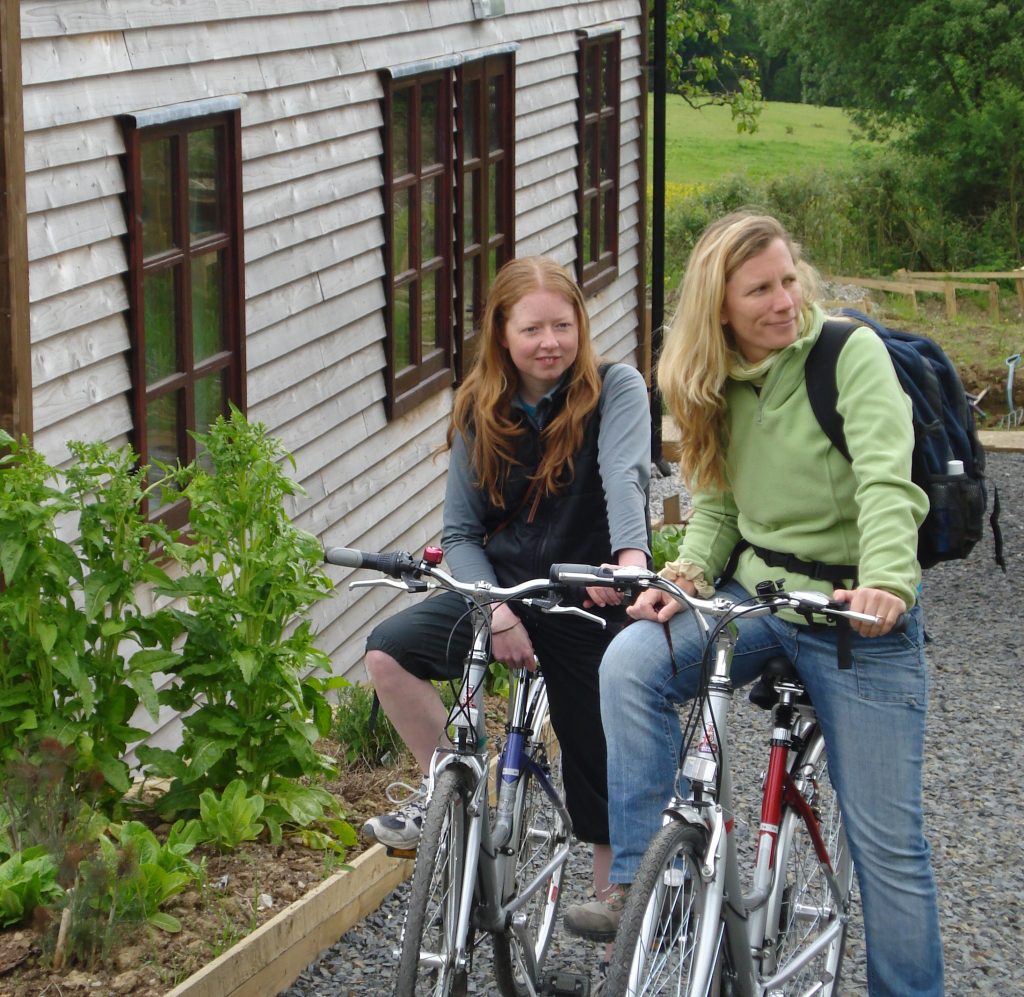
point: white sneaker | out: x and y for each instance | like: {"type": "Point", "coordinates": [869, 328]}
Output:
{"type": "Point", "coordinates": [400, 828]}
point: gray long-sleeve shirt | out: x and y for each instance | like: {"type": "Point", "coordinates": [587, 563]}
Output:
{"type": "Point", "coordinates": [624, 460]}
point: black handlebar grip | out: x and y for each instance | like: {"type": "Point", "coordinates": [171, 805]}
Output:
{"type": "Point", "coordinates": [560, 574]}
{"type": "Point", "coordinates": [901, 624]}
{"type": "Point", "coordinates": [395, 564]}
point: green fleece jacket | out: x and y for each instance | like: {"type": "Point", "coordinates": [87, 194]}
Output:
{"type": "Point", "coordinates": [790, 490]}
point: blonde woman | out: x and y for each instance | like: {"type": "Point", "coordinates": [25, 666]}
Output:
{"type": "Point", "coordinates": [549, 462]}
{"type": "Point", "coordinates": [764, 474]}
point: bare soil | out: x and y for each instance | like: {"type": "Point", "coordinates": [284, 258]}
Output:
{"type": "Point", "coordinates": [240, 891]}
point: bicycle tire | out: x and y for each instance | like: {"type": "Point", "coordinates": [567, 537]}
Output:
{"type": "Point", "coordinates": [662, 921]}
{"type": "Point", "coordinates": [537, 831]}
{"type": "Point", "coordinates": [427, 963]}
{"type": "Point", "coordinates": [804, 905]}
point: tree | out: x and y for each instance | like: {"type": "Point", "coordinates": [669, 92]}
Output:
{"type": "Point", "coordinates": [941, 79]}
{"type": "Point", "coordinates": [703, 65]}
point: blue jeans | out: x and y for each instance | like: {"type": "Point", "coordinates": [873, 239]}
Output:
{"type": "Point", "coordinates": [872, 716]}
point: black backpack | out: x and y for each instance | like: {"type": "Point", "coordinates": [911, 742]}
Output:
{"type": "Point", "coordinates": [948, 461]}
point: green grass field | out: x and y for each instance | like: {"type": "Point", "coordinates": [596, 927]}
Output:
{"type": "Point", "coordinates": [703, 145]}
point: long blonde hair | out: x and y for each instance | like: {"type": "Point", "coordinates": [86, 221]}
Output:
{"type": "Point", "coordinates": [482, 410]}
{"type": "Point", "coordinates": [695, 359]}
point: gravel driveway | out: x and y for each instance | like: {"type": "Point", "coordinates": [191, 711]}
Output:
{"type": "Point", "coordinates": [973, 788]}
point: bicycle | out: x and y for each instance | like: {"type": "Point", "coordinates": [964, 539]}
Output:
{"type": "Point", "coordinates": [499, 870]}
{"type": "Point", "coordinates": [688, 927]}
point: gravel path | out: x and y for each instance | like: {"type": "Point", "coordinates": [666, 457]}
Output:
{"type": "Point", "coordinates": [973, 788]}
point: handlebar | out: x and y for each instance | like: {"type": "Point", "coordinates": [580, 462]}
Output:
{"type": "Point", "coordinates": [418, 575]}
{"type": "Point", "coordinates": [631, 579]}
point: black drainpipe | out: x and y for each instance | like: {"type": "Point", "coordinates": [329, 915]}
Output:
{"type": "Point", "coordinates": [660, 81]}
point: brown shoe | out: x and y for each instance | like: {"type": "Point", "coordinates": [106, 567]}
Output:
{"type": "Point", "coordinates": [598, 920]}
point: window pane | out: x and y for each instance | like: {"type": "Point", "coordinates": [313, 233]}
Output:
{"type": "Point", "coordinates": [400, 230]}
{"type": "Point", "coordinates": [210, 400]}
{"type": "Point", "coordinates": [207, 317]}
{"type": "Point", "coordinates": [157, 201]}
{"type": "Point", "coordinates": [429, 223]}
{"type": "Point", "coordinates": [608, 74]}
{"type": "Point", "coordinates": [428, 314]}
{"type": "Point", "coordinates": [471, 291]}
{"type": "Point", "coordinates": [470, 118]}
{"type": "Point", "coordinates": [494, 113]}
{"type": "Point", "coordinates": [610, 218]}
{"type": "Point", "coordinates": [471, 220]}
{"type": "Point", "coordinates": [588, 207]}
{"type": "Point", "coordinates": [430, 96]}
{"type": "Point", "coordinates": [492, 202]}
{"type": "Point", "coordinates": [590, 172]}
{"type": "Point", "coordinates": [203, 200]}
{"type": "Point", "coordinates": [160, 325]}
{"type": "Point", "coordinates": [162, 440]}
{"type": "Point", "coordinates": [492, 265]}
{"type": "Point", "coordinates": [402, 331]}
{"type": "Point", "coordinates": [400, 132]}
{"type": "Point", "coordinates": [591, 81]}
{"type": "Point", "coordinates": [609, 149]}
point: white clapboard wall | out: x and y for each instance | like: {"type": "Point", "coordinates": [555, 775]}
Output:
{"type": "Point", "coordinates": [306, 72]}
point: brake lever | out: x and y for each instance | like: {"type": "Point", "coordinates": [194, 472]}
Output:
{"type": "Point", "coordinates": [403, 585]}
{"type": "Point", "coordinates": [576, 611]}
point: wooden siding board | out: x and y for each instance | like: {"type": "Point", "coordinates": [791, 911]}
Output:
{"type": "Point", "coordinates": [60, 186]}
{"type": "Point", "coordinates": [282, 103]}
{"type": "Point", "coordinates": [73, 144]}
{"type": "Point", "coordinates": [49, 276]}
{"type": "Point", "coordinates": [77, 307]}
{"type": "Point", "coordinates": [268, 205]}
{"type": "Point", "coordinates": [316, 254]}
{"type": "Point", "coordinates": [110, 421]}
{"type": "Point", "coordinates": [312, 127]}
{"type": "Point", "coordinates": [48, 59]}
{"type": "Point", "coordinates": [79, 348]}
{"type": "Point", "coordinates": [265, 310]}
{"type": "Point", "coordinates": [75, 226]}
{"type": "Point", "coordinates": [293, 165]}
{"type": "Point", "coordinates": [293, 230]}
{"type": "Point", "coordinates": [73, 393]}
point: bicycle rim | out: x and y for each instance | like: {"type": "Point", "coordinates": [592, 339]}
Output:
{"type": "Point", "coordinates": [809, 907]}
{"type": "Point", "coordinates": [429, 954]}
{"type": "Point", "coordinates": [663, 923]}
{"type": "Point", "coordinates": [538, 832]}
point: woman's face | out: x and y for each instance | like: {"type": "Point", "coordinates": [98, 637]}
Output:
{"type": "Point", "coordinates": [541, 335]}
{"type": "Point", "coordinates": [762, 303]}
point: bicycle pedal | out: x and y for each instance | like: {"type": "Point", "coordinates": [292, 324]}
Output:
{"type": "Point", "coordinates": [562, 984]}
{"type": "Point", "coordinates": [401, 853]}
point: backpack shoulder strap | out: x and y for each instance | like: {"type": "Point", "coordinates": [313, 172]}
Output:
{"type": "Point", "coordinates": [820, 378]}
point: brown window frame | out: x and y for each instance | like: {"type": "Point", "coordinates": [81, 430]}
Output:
{"type": "Point", "coordinates": [176, 124]}
{"type": "Point", "coordinates": [599, 58]}
{"type": "Point", "coordinates": [492, 238]}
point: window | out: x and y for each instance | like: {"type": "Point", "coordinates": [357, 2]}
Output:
{"type": "Point", "coordinates": [185, 271]}
{"type": "Point", "coordinates": [597, 240]}
{"type": "Point", "coordinates": [448, 172]}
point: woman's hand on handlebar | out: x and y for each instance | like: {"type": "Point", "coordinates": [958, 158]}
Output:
{"type": "Point", "coordinates": [600, 595]}
{"type": "Point", "coordinates": [510, 643]}
{"type": "Point", "coordinates": [874, 602]}
{"type": "Point", "coordinates": [657, 606]}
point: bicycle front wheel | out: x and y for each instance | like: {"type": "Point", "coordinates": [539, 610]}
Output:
{"type": "Point", "coordinates": [811, 898]}
{"type": "Point", "coordinates": [663, 922]}
{"type": "Point", "coordinates": [538, 832]}
{"type": "Point", "coordinates": [429, 960]}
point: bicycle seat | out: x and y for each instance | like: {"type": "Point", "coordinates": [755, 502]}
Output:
{"type": "Point", "coordinates": [780, 669]}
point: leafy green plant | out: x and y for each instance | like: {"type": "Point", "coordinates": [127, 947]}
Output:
{"type": "Point", "coordinates": [78, 653]}
{"type": "Point", "coordinates": [231, 818]}
{"type": "Point", "coordinates": [665, 544]}
{"type": "Point", "coordinates": [28, 879]}
{"type": "Point", "coordinates": [126, 880]}
{"type": "Point", "coordinates": [244, 674]}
